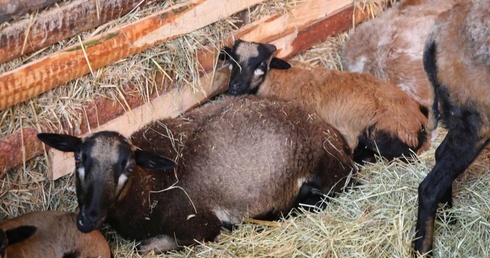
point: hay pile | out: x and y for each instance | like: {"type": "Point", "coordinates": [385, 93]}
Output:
{"type": "Point", "coordinates": [373, 219]}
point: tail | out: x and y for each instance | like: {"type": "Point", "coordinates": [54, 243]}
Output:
{"type": "Point", "coordinates": [430, 67]}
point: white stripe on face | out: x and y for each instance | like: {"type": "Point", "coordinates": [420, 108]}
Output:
{"type": "Point", "coordinates": [121, 181]}
{"type": "Point", "coordinates": [81, 173]}
{"type": "Point", "coordinates": [258, 72]}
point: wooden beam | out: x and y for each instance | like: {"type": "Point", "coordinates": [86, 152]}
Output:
{"type": "Point", "coordinates": [42, 75]}
{"type": "Point", "coordinates": [10, 9]}
{"type": "Point", "coordinates": [62, 163]}
{"type": "Point", "coordinates": [17, 148]}
{"type": "Point", "coordinates": [49, 27]}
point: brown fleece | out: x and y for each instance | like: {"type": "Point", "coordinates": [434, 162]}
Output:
{"type": "Point", "coordinates": [351, 102]}
{"type": "Point", "coordinates": [56, 236]}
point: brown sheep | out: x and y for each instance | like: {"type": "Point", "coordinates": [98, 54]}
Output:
{"type": "Point", "coordinates": [237, 158]}
{"type": "Point", "coordinates": [49, 234]}
{"type": "Point", "coordinates": [457, 61]}
{"type": "Point", "coordinates": [373, 115]}
{"type": "Point", "coordinates": [391, 46]}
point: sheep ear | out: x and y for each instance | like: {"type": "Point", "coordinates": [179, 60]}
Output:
{"type": "Point", "coordinates": [62, 142]}
{"type": "Point", "coordinates": [18, 234]}
{"type": "Point", "coordinates": [153, 161]}
{"type": "Point", "coordinates": [280, 64]}
{"type": "Point", "coordinates": [224, 54]}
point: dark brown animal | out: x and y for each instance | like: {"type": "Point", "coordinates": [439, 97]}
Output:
{"type": "Point", "coordinates": [373, 115]}
{"type": "Point", "coordinates": [237, 158]}
{"type": "Point", "coordinates": [49, 234]}
{"type": "Point", "coordinates": [457, 61]}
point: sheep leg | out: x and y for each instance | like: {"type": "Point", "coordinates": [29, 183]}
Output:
{"type": "Point", "coordinates": [447, 198]}
{"type": "Point", "coordinates": [455, 154]}
{"type": "Point", "coordinates": [157, 244]}
{"type": "Point", "coordinates": [204, 226]}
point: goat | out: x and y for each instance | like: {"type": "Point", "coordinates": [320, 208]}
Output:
{"type": "Point", "coordinates": [49, 234]}
{"type": "Point", "coordinates": [391, 46]}
{"type": "Point", "coordinates": [457, 62]}
{"type": "Point", "coordinates": [370, 113]}
{"type": "Point", "coordinates": [237, 158]}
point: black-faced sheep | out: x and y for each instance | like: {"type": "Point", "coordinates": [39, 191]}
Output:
{"type": "Point", "coordinates": [237, 158]}
{"type": "Point", "coordinates": [391, 46]}
{"type": "Point", "coordinates": [49, 234]}
{"type": "Point", "coordinates": [370, 113]}
{"type": "Point", "coordinates": [457, 61]}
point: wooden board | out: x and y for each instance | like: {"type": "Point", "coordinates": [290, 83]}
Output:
{"type": "Point", "coordinates": [10, 9]}
{"type": "Point", "coordinates": [47, 28]}
{"type": "Point", "coordinates": [45, 74]}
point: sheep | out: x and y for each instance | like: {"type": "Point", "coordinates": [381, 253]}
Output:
{"type": "Point", "coordinates": [457, 62]}
{"type": "Point", "coordinates": [370, 113]}
{"type": "Point", "coordinates": [49, 234]}
{"type": "Point", "coordinates": [391, 46]}
{"type": "Point", "coordinates": [13, 236]}
{"type": "Point", "coordinates": [237, 158]}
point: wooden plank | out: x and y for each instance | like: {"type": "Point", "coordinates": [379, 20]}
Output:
{"type": "Point", "coordinates": [10, 9]}
{"type": "Point", "coordinates": [17, 148]}
{"type": "Point", "coordinates": [49, 27]}
{"type": "Point", "coordinates": [42, 75]}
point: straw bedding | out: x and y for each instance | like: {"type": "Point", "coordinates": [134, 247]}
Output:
{"type": "Point", "coordinates": [375, 218]}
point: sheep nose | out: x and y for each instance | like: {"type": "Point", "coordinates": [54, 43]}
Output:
{"type": "Point", "coordinates": [88, 220]}
{"type": "Point", "coordinates": [234, 88]}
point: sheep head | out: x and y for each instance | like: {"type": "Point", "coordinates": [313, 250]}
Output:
{"type": "Point", "coordinates": [249, 63]}
{"type": "Point", "coordinates": [104, 162]}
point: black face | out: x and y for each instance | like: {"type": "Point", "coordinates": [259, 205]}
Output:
{"type": "Point", "coordinates": [249, 66]}
{"type": "Point", "coordinates": [103, 163]}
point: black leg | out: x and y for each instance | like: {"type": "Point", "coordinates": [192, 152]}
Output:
{"type": "Point", "coordinates": [456, 153]}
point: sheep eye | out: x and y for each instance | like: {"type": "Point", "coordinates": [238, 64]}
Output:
{"type": "Point", "coordinates": [80, 157]}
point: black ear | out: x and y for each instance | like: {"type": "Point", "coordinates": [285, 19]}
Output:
{"type": "Point", "coordinates": [280, 64]}
{"type": "Point", "coordinates": [21, 233]}
{"type": "Point", "coordinates": [224, 54]}
{"type": "Point", "coordinates": [62, 142]}
{"type": "Point", "coordinates": [153, 161]}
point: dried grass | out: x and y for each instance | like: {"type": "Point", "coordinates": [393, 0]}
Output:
{"type": "Point", "coordinates": [373, 219]}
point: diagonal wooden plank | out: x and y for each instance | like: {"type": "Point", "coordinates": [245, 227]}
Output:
{"type": "Point", "coordinates": [47, 28]}
{"type": "Point", "coordinates": [42, 75]}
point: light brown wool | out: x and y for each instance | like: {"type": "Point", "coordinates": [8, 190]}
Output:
{"type": "Point", "coordinates": [56, 236]}
{"type": "Point", "coordinates": [391, 46]}
{"type": "Point", "coordinates": [351, 102]}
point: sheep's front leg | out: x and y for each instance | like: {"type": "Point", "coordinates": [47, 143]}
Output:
{"type": "Point", "coordinates": [458, 150]}
{"type": "Point", "coordinates": [158, 244]}
{"type": "Point", "coordinates": [188, 230]}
